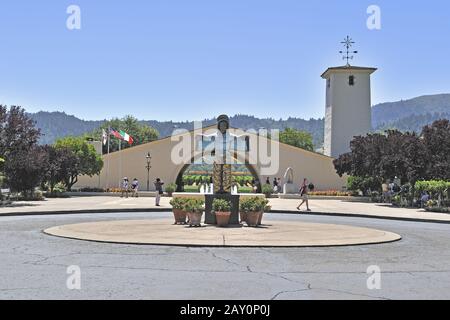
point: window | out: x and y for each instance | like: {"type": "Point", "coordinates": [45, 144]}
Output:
{"type": "Point", "coordinates": [351, 80]}
{"type": "Point", "coordinates": [329, 83]}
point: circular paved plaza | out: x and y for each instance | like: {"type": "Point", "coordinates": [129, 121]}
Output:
{"type": "Point", "coordinates": [35, 265]}
{"type": "Point", "coordinates": [273, 234]}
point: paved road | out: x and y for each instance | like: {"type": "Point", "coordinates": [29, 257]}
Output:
{"type": "Point", "coordinates": [33, 265]}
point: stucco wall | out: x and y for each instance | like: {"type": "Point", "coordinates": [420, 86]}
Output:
{"type": "Point", "coordinates": [131, 163]}
{"type": "Point", "coordinates": [348, 110]}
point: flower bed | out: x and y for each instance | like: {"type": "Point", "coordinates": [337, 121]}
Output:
{"type": "Point", "coordinates": [330, 193]}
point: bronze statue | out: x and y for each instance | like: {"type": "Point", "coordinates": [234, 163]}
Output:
{"type": "Point", "coordinates": [222, 178]}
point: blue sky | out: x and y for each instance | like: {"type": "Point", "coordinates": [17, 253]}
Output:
{"type": "Point", "coordinates": [194, 59]}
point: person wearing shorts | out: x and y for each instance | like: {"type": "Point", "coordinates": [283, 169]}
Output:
{"type": "Point", "coordinates": [304, 196]}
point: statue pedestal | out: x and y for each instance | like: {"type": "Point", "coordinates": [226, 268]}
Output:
{"type": "Point", "coordinates": [290, 188]}
{"type": "Point", "coordinates": [210, 218]}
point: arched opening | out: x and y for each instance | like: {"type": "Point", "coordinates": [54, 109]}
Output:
{"type": "Point", "coordinates": [191, 177]}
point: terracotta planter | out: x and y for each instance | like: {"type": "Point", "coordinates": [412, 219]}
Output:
{"type": "Point", "coordinates": [180, 216]}
{"type": "Point", "coordinates": [195, 219]}
{"type": "Point", "coordinates": [243, 216]}
{"type": "Point", "coordinates": [261, 214]}
{"type": "Point", "coordinates": [223, 218]}
{"type": "Point", "coordinates": [253, 218]}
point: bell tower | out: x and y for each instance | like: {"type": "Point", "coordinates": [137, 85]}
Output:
{"type": "Point", "coordinates": [348, 110]}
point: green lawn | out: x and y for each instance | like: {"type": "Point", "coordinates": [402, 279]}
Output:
{"type": "Point", "coordinates": [191, 189]}
{"type": "Point", "coordinates": [245, 190]}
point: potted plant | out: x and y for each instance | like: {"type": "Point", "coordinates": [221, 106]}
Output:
{"type": "Point", "coordinates": [194, 209]}
{"type": "Point", "coordinates": [253, 210]}
{"type": "Point", "coordinates": [267, 190]}
{"type": "Point", "coordinates": [222, 211]}
{"type": "Point", "coordinates": [178, 210]}
{"type": "Point", "coordinates": [262, 205]}
{"type": "Point", "coordinates": [171, 188]}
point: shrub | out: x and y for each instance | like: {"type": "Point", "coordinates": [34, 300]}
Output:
{"type": "Point", "coordinates": [363, 184]}
{"type": "Point", "coordinates": [178, 203]}
{"type": "Point", "coordinates": [194, 205]}
{"type": "Point", "coordinates": [60, 187]}
{"type": "Point", "coordinates": [221, 205]}
{"type": "Point", "coordinates": [36, 195]}
{"type": "Point", "coordinates": [438, 189]}
{"type": "Point", "coordinates": [171, 188]}
{"type": "Point", "coordinates": [254, 204]}
{"type": "Point", "coordinates": [267, 190]}
{"type": "Point", "coordinates": [431, 203]}
{"type": "Point", "coordinates": [59, 191]}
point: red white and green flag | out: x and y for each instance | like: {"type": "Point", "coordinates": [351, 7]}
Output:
{"type": "Point", "coordinates": [122, 135]}
{"type": "Point", "coordinates": [116, 134]}
{"type": "Point", "coordinates": [126, 137]}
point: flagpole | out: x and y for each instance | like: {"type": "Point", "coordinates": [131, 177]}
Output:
{"type": "Point", "coordinates": [108, 165]}
{"type": "Point", "coordinates": [120, 169]}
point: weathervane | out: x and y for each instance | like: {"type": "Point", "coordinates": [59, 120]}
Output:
{"type": "Point", "coordinates": [348, 43]}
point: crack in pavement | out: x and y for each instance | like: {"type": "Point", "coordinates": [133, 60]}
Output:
{"type": "Point", "coordinates": [21, 289]}
{"type": "Point", "coordinates": [310, 288]}
{"type": "Point", "coordinates": [290, 291]}
{"type": "Point", "coordinates": [351, 293]}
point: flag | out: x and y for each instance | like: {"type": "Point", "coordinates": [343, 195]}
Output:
{"type": "Point", "coordinates": [126, 137]}
{"type": "Point", "coordinates": [116, 134]}
{"type": "Point", "coordinates": [104, 137]}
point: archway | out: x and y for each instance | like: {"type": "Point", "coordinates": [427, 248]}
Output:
{"type": "Point", "coordinates": [191, 175]}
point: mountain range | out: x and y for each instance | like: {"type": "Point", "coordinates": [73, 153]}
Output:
{"type": "Point", "coordinates": [405, 115]}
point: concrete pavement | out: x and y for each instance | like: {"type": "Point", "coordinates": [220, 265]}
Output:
{"type": "Point", "coordinates": [34, 265]}
{"type": "Point", "coordinates": [320, 207]}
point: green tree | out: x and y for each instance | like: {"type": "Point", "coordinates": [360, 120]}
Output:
{"type": "Point", "coordinates": [17, 131]}
{"type": "Point", "coordinates": [385, 156]}
{"type": "Point", "coordinates": [25, 169]}
{"type": "Point", "coordinates": [297, 138]}
{"type": "Point", "coordinates": [18, 141]}
{"type": "Point", "coordinates": [2, 177]}
{"type": "Point", "coordinates": [141, 133]}
{"type": "Point", "coordinates": [87, 161]}
{"type": "Point", "coordinates": [62, 162]}
{"type": "Point", "coordinates": [436, 138]}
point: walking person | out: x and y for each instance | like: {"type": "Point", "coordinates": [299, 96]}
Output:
{"type": "Point", "coordinates": [125, 187]}
{"type": "Point", "coordinates": [135, 188]}
{"type": "Point", "coordinates": [159, 190]}
{"type": "Point", "coordinates": [304, 195]}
